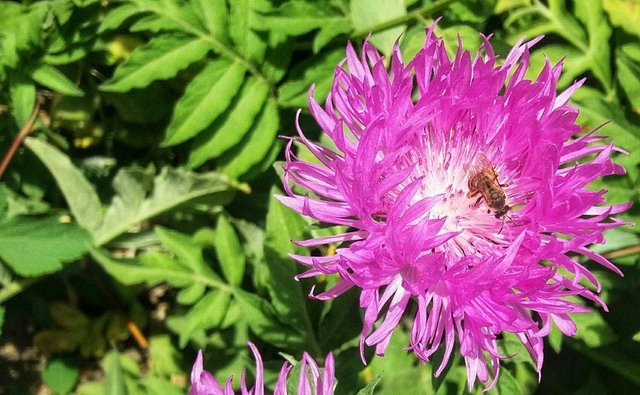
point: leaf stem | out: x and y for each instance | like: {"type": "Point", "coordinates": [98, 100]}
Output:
{"type": "Point", "coordinates": [401, 20]}
{"type": "Point", "coordinates": [22, 134]}
{"type": "Point", "coordinates": [622, 252]}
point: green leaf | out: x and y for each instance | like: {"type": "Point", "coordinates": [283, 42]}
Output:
{"type": "Point", "coordinates": [116, 17]}
{"type": "Point", "coordinates": [208, 313]}
{"type": "Point", "coordinates": [228, 130]}
{"type": "Point", "coordinates": [163, 355]}
{"type": "Point", "coordinates": [207, 96]}
{"type": "Point", "coordinates": [288, 298]}
{"type": "Point", "coordinates": [214, 16]}
{"type": "Point", "coordinates": [80, 195]}
{"type": "Point", "coordinates": [318, 70]}
{"type": "Point", "coordinates": [150, 268]}
{"type": "Point", "coordinates": [366, 14]}
{"type": "Point", "coordinates": [229, 252]}
{"type": "Point", "coordinates": [53, 79]}
{"type": "Point", "coordinates": [263, 321]}
{"type": "Point", "coordinates": [115, 382]}
{"type": "Point", "coordinates": [160, 59]}
{"type": "Point", "coordinates": [624, 14]}
{"type": "Point", "coordinates": [368, 389]}
{"type": "Point", "coordinates": [61, 374]}
{"type": "Point", "coordinates": [23, 98]}
{"type": "Point", "coordinates": [595, 111]}
{"type": "Point", "coordinates": [593, 330]}
{"type": "Point", "coordinates": [19, 32]}
{"type": "Point", "coordinates": [599, 33]}
{"type": "Point", "coordinates": [629, 78]}
{"type": "Point", "coordinates": [191, 294]}
{"type": "Point", "coordinates": [255, 145]}
{"type": "Point", "coordinates": [296, 18]}
{"type": "Point", "coordinates": [139, 197]}
{"type": "Point", "coordinates": [33, 247]}
{"type": "Point", "coordinates": [189, 254]}
{"type": "Point", "coordinates": [248, 42]}
{"type": "Point", "coordinates": [507, 384]}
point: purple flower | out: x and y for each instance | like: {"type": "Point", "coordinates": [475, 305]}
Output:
{"type": "Point", "coordinates": [203, 382]}
{"type": "Point", "coordinates": [463, 188]}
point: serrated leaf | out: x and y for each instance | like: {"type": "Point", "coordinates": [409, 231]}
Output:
{"type": "Point", "coordinates": [595, 111]}
{"type": "Point", "coordinates": [229, 252]}
{"type": "Point", "coordinates": [371, 385]}
{"type": "Point", "coordinates": [191, 294]}
{"type": "Point", "coordinates": [160, 59]}
{"type": "Point", "coordinates": [61, 374]}
{"type": "Point", "coordinates": [208, 313]}
{"type": "Point", "coordinates": [255, 145]}
{"type": "Point", "coordinates": [248, 42]}
{"type": "Point", "coordinates": [139, 197]}
{"type": "Point", "coordinates": [80, 195]}
{"type": "Point", "coordinates": [53, 79]}
{"type": "Point", "coordinates": [152, 268]}
{"type": "Point", "coordinates": [366, 14]}
{"type": "Point", "coordinates": [262, 319]}
{"type": "Point", "coordinates": [507, 384]}
{"type": "Point", "coordinates": [33, 247]}
{"type": "Point", "coordinates": [229, 130]}
{"type": "Point", "coordinates": [214, 16]}
{"type": "Point", "coordinates": [317, 70]}
{"type": "Point", "coordinates": [295, 18]}
{"type": "Point", "coordinates": [207, 96]}
{"type": "Point", "coordinates": [189, 254]}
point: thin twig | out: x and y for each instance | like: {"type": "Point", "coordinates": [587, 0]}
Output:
{"type": "Point", "coordinates": [22, 134]}
{"type": "Point", "coordinates": [626, 251]}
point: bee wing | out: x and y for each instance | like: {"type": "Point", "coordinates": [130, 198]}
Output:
{"type": "Point", "coordinates": [479, 164]}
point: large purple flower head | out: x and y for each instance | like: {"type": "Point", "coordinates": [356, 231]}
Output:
{"type": "Point", "coordinates": [322, 383]}
{"type": "Point", "coordinates": [463, 187]}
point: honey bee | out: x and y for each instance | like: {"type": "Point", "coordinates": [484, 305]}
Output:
{"type": "Point", "coordinates": [483, 181]}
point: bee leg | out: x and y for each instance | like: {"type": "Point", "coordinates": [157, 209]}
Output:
{"type": "Point", "coordinates": [477, 203]}
{"type": "Point", "coordinates": [471, 194]}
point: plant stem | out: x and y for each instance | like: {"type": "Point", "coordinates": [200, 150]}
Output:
{"type": "Point", "coordinates": [17, 141]}
{"type": "Point", "coordinates": [626, 251]}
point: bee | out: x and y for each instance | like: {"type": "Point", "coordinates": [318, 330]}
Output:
{"type": "Point", "coordinates": [483, 181]}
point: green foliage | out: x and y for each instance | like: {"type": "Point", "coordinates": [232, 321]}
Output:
{"type": "Point", "coordinates": [143, 200]}
{"type": "Point", "coordinates": [61, 375]}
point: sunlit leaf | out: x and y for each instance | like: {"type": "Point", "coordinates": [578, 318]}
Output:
{"type": "Point", "coordinates": [255, 145]}
{"type": "Point", "coordinates": [160, 59]}
{"type": "Point", "coordinates": [140, 196]}
{"type": "Point", "coordinates": [54, 79]}
{"type": "Point", "coordinates": [207, 96]}
{"type": "Point", "coordinates": [78, 192]}
{"type": "Point", "coordinates": [229, 251]}
{"type": "Point", "coordinates": [231, 127]}
{"type": "Point", "coordinates": [34, 246]}
{"type": "Point", "coordinates": [366, 14]}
